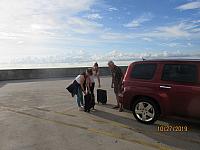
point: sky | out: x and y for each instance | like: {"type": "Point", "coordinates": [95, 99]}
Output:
{"type": "Point", "coordinates": [69, 31]}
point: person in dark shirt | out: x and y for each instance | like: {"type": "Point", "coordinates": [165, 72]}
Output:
{"type": "Point", "coordinates": [117, 77]}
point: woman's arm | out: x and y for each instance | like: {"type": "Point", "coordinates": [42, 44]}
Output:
{"type": "Point", "coordinates": [82, 80]}
{"type": "Point", "coordinates": [112, 84]}
{"type": "Point", "coordinates": [88, 84]}
{"type": "Point", "coordinates": [98, 78]}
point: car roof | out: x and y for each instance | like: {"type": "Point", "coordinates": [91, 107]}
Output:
{"type": "Point", "coordinates": [171, 60]}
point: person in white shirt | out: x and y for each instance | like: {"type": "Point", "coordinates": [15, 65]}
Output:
{"type": "Point", "coordinates": [80, 81]}
{"type": "Point", "coordinates": [96, 73]}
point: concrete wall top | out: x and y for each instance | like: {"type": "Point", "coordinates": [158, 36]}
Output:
{"type": "Point", "coordinates": [24, 74]}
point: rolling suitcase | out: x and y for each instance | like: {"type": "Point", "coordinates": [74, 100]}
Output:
{"type": "Point", "coordinates": [88, 102]}
{"type": "Point", "coordinates": [101, 96]}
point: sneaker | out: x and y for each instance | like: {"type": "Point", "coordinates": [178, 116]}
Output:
{"type": "Point", "coordinates": [93, 109]}
{"type": "Point", "coordinates": [116, 107]}
{"type": "Point", "coordinates": [80, 108]}
{"type": "Point", "coordinates": [121, 109]}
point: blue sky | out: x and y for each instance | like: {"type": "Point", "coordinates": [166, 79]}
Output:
{"type": "Point", "coordinates": [98, 30]}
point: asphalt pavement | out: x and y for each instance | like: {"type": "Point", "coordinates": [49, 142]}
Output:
{"type": "Point", "coordinates": [42, 115]}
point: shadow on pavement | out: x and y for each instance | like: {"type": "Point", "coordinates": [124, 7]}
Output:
{"type": "Point", "coordinates": [2, 84]}
{"type": "Point", "coordinates": [181, 140]}
{"type": "Point", "coordinates": [193, 124]}
{"type": "Point", "coordinates": [38, 80]}
{"type": "Point", "coordinates": [106, 106]}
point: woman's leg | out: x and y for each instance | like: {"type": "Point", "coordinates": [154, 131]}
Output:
{"type": "Point", "coordinates": [121, 108]}
{"type": "Point", "coordinates": [92, 88]}
{"type": "Point", "coordinates": [79, 97]}
{"type": "Point", "coordinates": [92, 92]}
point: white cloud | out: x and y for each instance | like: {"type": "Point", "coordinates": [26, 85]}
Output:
{"type": "Point", "coordinates": [30, 16]}
{"type": "Point", "coordinates": [114, 36]}
{"type": "Point", "coordinates": [112, 9]}
{"type": "Point", "coordinates": [185, 30]}
{"type": "Point", "coordinates": [20, 42]}
{"type": "Point", "coordinates": [173, 44]}
{"type": "Point", "coordinates": [189, 6]}
{"type": "Point", "coordinates": [81, 56]}
{"type": "Point", "coordinates": [82, 26]}
{"type": "Point", "coordinates": [38, 23]}
{"type": "Point", "coordinates": [138, 21]}
{"type": "Point", "coordinates": [173, 31]}
{"type": "Point", "coordinates": [197, 30]}
{"type": "Point", "coordinates": [118, 55]}
{"type": "Point", "coordinates": [147, 39]}
{"type": "Point", "coordinates": [94, 16]}
{"type": "Point", "coordinates": [189, 44]}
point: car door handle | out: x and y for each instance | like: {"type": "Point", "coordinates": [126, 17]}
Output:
{"type": "Point", "coordinates": [165, 87]}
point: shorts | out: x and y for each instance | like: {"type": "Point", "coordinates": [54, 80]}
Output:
{"type": "Point", "coordinates": [117, 88]}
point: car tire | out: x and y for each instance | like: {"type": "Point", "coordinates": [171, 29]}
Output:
{"type": "Point", "coordinates": [145, 110]}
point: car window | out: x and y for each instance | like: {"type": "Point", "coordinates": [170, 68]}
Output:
{"type": "Point", "coordinates": [186, 73]}
{"type": "Point", "coordinates": [143, 71]}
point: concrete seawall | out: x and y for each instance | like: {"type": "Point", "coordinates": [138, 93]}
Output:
{"type": "Point", "coordinates": [24, 74]}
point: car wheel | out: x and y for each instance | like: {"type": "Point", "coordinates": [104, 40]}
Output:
{"type": "Point", "coordinates": [145, 110]}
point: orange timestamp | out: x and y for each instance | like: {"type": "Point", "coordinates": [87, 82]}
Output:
{"type": "Point", "coordinates": [173, 128]}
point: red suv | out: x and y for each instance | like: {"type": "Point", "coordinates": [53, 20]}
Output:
{"type": "Point", "coordinates": [162, 87]}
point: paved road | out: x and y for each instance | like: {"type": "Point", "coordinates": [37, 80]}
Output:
{"type": "Point", "coordinates": [41, 115]}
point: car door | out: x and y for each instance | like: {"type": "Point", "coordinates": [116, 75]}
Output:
{"type": "Point", "coordinates": [139, 81]}
{"type": "Point", "coordinates": [180, 82]}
